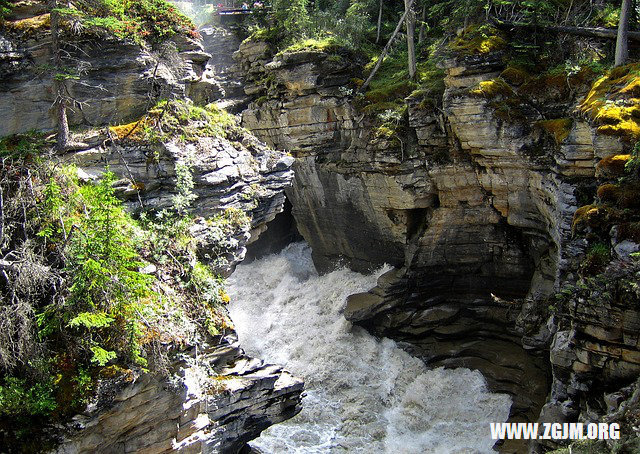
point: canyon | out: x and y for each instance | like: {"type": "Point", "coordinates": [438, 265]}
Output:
{"type": "Point", "coordinates": [472, 210]}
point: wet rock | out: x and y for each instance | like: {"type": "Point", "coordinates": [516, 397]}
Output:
{"type": "Point", "coordinates": [218, 400]}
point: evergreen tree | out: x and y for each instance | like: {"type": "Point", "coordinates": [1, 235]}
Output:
{"type": "Point", "coordinates": [292, 17]}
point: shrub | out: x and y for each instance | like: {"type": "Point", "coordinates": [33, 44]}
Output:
{"type": "Point", "coordinates": [597, 258]}
{"type": "Point", "coordinates": [151, 20]}
{"type": "Point", "coordinates": [18, 398]}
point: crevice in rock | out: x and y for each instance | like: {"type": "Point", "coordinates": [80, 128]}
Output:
{"type": "Point", "coordinates": [279, 233]}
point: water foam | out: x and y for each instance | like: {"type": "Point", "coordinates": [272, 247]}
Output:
{"type": "Point", "coordinates": [363, 395]}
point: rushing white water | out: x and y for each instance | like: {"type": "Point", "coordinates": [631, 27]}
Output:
{"type": "Point", "coordinates": [363, 395]}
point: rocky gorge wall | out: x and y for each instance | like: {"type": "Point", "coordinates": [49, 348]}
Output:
{"type": "Point", "coordinates": [221, 399]}
{"type": "Point", "coordinates": [212, 397]}
{"type": "Point", "coordinates": [119, 80]}
{"type": "Point", "coordinates": [473, 206]}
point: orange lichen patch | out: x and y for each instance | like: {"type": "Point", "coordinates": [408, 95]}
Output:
{"type": "Point", "coordinates": [559, 128]}
{"type": "Point", "coordinates": [131, 131]}
{"type": "Point", "coordinates": [514, 76]}
{"type": "Point", "coordinates": [491, 89]}
{"type": "Point", "coordinates": [478, 40]}
{"type": "Point", "coordinates": [612, 166]}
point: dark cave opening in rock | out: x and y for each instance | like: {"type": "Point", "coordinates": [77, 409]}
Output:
{"type": "Point", "coordinates": [280, 232]}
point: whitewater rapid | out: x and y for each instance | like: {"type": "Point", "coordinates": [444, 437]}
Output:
{"type": "Point", "coordinates": [362, 394]}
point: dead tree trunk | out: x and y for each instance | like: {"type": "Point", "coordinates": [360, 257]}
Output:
{"type": "Point", "coordinates": [379, 23]}
{"type": "Point", "coordinates": [423, 21]}
{"type": "Point", "coordinates": [411, 26]}
{"type": "Point", "coordinates": [60, 102]}
{"type": "Point", "coordinates": [622, 41]}
{"type": "Point", "coordinates": [589, 32]}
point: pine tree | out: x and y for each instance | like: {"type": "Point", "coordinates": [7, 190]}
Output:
{"type": "Point", "coordinates": [292, 17]}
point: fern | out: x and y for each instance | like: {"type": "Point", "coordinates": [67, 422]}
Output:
{"type": "Point", "coordinates": [101, 356]}
{"type": "Point", "coordinates": [91, 320]}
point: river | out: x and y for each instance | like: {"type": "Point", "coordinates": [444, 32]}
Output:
{"type": "Point", "coordinates": [362, 394]}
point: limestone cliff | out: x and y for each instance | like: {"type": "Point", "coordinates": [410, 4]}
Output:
{"type": "Point", "coordinates": [210, 397]}
{"type": "Point", "coordinates": [472, 204]}
{"type": "Point", "coordinates": [119, 79]}
{"type": "Point", "coordinates": [220, 400]}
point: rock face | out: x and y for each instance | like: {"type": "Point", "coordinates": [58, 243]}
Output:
{"type": "Point", "coordinates": [214, 398]}
{"type": "Point", "coordinates": [473, 207]}
{"type": "Point", "coordinates": [221, 400]}
{"type": "Point", "coordinates": [120, 80]}
{"type": "Point", "coordinates": [244, 175]}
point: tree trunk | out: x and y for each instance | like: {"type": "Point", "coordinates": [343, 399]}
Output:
{"type": "Point", "coordinates": [60, 103]}
{"type": "Point", "coordinates": [423, 21]}
{"type": "Point", "coordinates": [411, 26]}
{"type": "Point", "coordinates": [590, 32]}
{"type": "Point", "coordinates": [379, 23]}
{"type": "Point", "coordinates": [385, 51]}
{"type": "Point", "coordinates": [622, 42]}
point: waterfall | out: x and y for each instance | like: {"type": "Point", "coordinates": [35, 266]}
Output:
{"type": "Point", "coordinates": [362, 394]}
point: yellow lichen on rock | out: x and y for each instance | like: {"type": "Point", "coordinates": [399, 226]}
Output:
{"type": "Point", "coordinates": [478, 40]}
{"type": "Point", "coordinates": [612, 103]}
{"type": "Point", "coordinates": [30, 24]}
{"type": "Point", "coordinates": [132, 131]}
{"type": "Point", "coordinates": [491, 89]}
{"type": "Point", "coordinates": [612, 166]}
{"type": "Point", "coordinates": [559, 128]}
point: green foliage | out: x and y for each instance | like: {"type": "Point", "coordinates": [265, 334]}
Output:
{"type": "Point", "coordinates": [184, 184]}
{"type": "Point", "coordinates": [327, 44]}
{"type": "Point", "coordinates": [352, 30]}
{"type": "Point", "coordinates": [170, 120]}
{"type": "Point", "coordinates": [91, 320]}
{"type": "Point", "coordinates": [5, 8]}
{"type": "Point", "coordinates": [17, 398]}
{"type": "Point", "coordinates": [98, 240]}
{"type": "Point", "coordinates": [633, 164]}
{"type": "Point", "coordinates": [100, 303]}
{"type": "Point", "coordinates": [597, 258]}
{"type": "Point", "coordinates": [101, 356]}
{"type": "Point", "coordinates": [27, 145]}
{"type": "Point", "coordinates": [145, 20]}
{"type": "Point", "coordinates": [292, 17]}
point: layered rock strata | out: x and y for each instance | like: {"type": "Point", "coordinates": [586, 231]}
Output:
{"type": "Point", "coordinates": [119, 80]}
{"type": "Point", "coordinates": [471, 205]}
{"type": "Point", "coordinates": [245, 175]}
{"type": "Point", "coordinates": [219, 400]}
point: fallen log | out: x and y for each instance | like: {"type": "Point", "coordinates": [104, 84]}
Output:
{"type": "Point", "coordinates": [589, 32]}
